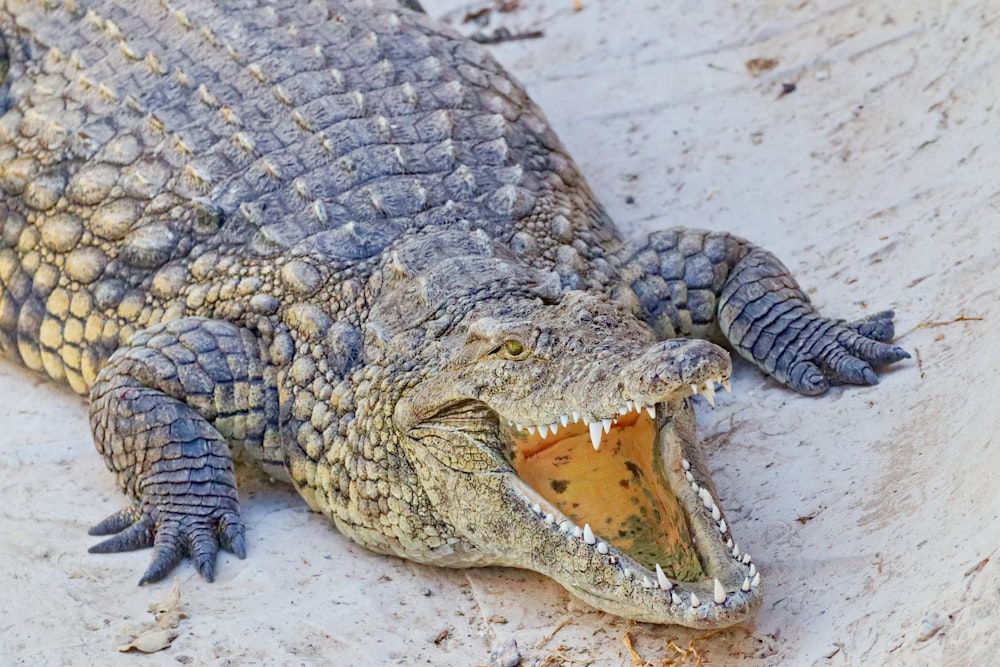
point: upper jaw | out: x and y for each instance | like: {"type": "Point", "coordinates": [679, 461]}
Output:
{"type": "Point", "coordinates": [600, 424]}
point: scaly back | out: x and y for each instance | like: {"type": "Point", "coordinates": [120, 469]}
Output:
{"type": "Point", "coordinates": [159, 156]}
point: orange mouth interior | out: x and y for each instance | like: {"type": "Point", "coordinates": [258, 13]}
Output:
{"type": "Point", "coordinates": [617, 489]}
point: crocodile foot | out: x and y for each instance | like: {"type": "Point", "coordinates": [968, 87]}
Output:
{"type": "Point", "coordinates": [184, 527]}
{"type": "Point", "coordinates": [834, 351]}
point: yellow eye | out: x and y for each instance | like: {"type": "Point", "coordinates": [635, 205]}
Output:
{"type": "Point", "coordinates": [513, 347]}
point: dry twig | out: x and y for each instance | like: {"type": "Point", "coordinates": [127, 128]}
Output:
{"type": "Point", "coordinates": [563, 622]}
{"type": "Point", "coordinates": [930, 324]}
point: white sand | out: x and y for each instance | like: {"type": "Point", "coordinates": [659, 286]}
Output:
{"type": "Point", "coordinates": [872, 512]}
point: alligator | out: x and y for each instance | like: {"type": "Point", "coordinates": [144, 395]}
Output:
{"type": "Point", "coordinates": [337, 240]}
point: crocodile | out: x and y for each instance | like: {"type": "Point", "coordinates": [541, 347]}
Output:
{"type": "Point", "coordinates": [339, 241]}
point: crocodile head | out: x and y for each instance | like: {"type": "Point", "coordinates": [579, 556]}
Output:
{"type": "Point", "coordinates": [551, 431]}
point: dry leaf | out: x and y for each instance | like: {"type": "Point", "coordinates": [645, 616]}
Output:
{"type": "Point", "coordinates": [150, 641]}
{"type": "Point", "coordinates": [159, 634]}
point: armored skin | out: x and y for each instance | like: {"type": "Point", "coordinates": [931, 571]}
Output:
{"type": "Point", "coordinates": [341, 241]}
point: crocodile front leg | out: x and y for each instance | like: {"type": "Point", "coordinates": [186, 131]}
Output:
{"type": "Point", "coordinates": [163, 411]}
{"type": "Point", "coordinates": [692, 282]}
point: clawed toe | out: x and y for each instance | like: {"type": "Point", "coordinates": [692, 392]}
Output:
{"type": "Point", "coordinates": [232, 536]}
{"type": "Point", "coordinates": [137, 535]}
{"type": "Point", "coordinates": [118, 521]}
{"type": "Point", "coordinates": [172, 536]}
{"type": "Point", "coordinates": [843, 353]}
{"type": "Point", "coordinates": [166, 555]}
{"type": "Point", "coordinates": [806, 378]}
{"type": "Point", "coordinates": [878, 327]}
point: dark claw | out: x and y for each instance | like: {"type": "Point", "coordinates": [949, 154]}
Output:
{"type": "Point", "coordinates": [877, 327]}
{"type": "Point", "coordinates": [875, 332]}
{"type": "Point", "coordinates": [203, 546]}
{"type": "Point", "coordinates": [118, 521]}
{"type": "Point", "coordinates": [137, 536]}
{"type": "Point", "coordinates": [806, 378]}
{"type": "Point", "coordinates": [841, 366]}
{"type": "Point", "coordinates": [871, 350]}
{"type": "Point", "coordinates": [891, 354]}
{"type": "Point", "coordinates": [232, 537]}
{"type": "Point", "coordinates": [166, 555]}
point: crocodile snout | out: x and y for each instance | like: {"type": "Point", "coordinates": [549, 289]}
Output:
{"type": "Point", "coordinates": [668, 370]}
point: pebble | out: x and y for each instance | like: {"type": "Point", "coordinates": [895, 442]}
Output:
{"type": "Point", "coordinates": [930, 625]}
{"type": "Point", "coordinates": [505, 655]}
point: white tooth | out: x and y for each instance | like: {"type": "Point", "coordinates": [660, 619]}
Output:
{"type": "Point", "coordinates": [661, 579]}
{"type": "Point", "coordinates": [695, 487]}
{"type": "Point", "coordinates": [520, 427]}
{"type": "Point", "coordinates": [753, 570]}
{"type": "Point", "coordinates": [746, 584]}
{"type": "Point", "coordinates": [689, 476]}
{"type": "Point", "coordinates": [607, 425]}
{"type": "Point", "coordinates": [565, 526]}
{"type": "Point", "coordinates": [646, 583]}
{"type": "Point", "coordinates": [588, 534]}
{"type": "Point", "coordinates": [595, 435]}
{"type": "Point", "coordinates": [543, 430]}
{"type": "Point", "coordinates": [602, 548]}
{"type": "Point", "coordinates": [536, 508]}
{"type": "Point", "coordinates": [651, 410]}
{"type": "Point", "coordinates": [709, 393]}
{"type": "Point", "coordinates": [624, 410]}
{"type": "Point", "coordinates": [746, 559]}
{"type": "Point", "coordinates": [729, 543]}
{"type": "Point", "coordinates": [755, 582]}
{"type": "Point", "coordinates": [531, 430]}
{"type": "Point", "coordinates": [549, 518]}
{"type": "Point", "coordinates": [723, 527]}
{"type": "Point", "coordinates": [694, 389]}
{"type": "Point", "coordinates": [716, 512]}
{"type": "Point", "coordinates": [685, 464]}
{"type": "Point", "coordinates": [727, 386]}
{"type": "Point", "coordinates": [630, 405]}
{"type": "Point", "coordinates": [695, 602]}
{"type": "Point", "coordinates": [736, 551]}
{"type": "Point", "coordinates": [675, 598]}
{"type": "Point", "coordinates": [706, 498]}
{"type": "Point", "coordinates": [564, 420]}
{"type": "Point", "coordinates": [577, 532]}
{"type": "Point", "coordinates": [576, 416]}
{"type": "Point", "coordinates": [720, 593]}
{"type": "Point", "coordinates": [554, 427]}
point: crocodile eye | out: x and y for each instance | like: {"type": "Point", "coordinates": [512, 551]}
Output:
{"type": "Point", "coordinates": [513, 347]}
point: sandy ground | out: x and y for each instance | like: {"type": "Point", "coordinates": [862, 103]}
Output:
{"type": "Point", "coordinates": [872, 512]}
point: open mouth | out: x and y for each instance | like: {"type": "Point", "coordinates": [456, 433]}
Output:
{"type": "Point", "coordinates": [616, 484]}
{"type": "Point", "coordinates": [616, 488]}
